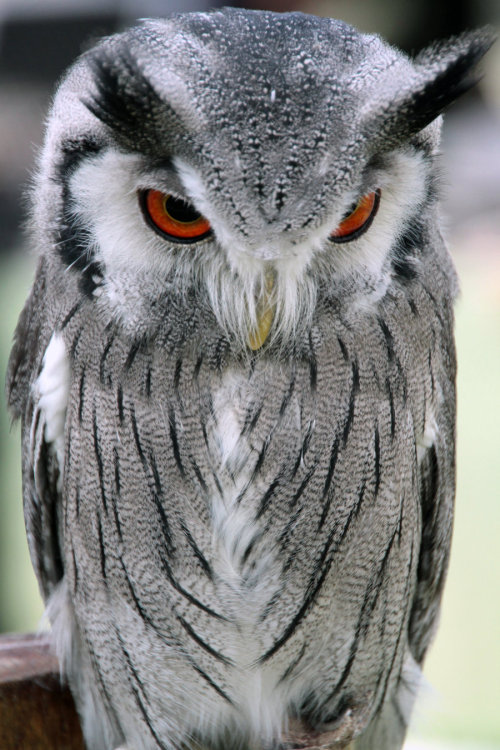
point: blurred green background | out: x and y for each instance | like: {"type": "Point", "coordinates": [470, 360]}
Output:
{"type": "Point", "coordinates": [460, 706]}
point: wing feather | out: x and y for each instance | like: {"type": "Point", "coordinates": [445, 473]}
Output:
{"type": "Point", "coordinates": [437, 491]}
{"type": "Point", "coordinates": [41, 464]}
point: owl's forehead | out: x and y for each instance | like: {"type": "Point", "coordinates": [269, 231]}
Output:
{"type": "Point", "coordinates": [282, 67]}
{"type": "Point", "coordinates": [245, 48]}
{"type": "Point", "coordinates": [254, 80]}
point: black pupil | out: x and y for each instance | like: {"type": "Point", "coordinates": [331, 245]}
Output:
{"type": "Point", "coordinates": [181, 211]}
{"type": "Point", "coordinates": [351, 210]}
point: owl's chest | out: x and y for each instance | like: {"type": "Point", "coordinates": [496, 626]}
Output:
{"type": "Point", "coordinates": [253, 433]}
{"type": "Point", "coordinates": [246, 414]}
{"type": "Point", "coordinates": [230, 440]}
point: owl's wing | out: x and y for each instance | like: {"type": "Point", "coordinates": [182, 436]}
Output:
{"type": "Point", "coordinates": [41, 469]}
{"type": "Point", "coordinates": [437, 490]}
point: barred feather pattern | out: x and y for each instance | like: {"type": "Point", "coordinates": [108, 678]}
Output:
{"type": "Point", "coordinates": [201, 520]}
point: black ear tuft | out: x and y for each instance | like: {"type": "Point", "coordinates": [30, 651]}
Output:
{"type": "Point", "coordinates": [126, 101]}
{"type": "Point", "coordinates": [122, 94]}
{"type": "Point", "coordinates": [448, 72]}
{"type": "Point", "coordinates": [409, 99]}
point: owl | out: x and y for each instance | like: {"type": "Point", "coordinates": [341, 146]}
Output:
{"type": "Point", "coordinates": [235, 375]}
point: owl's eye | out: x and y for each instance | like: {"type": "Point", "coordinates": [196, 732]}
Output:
{"type": "Point", "coordinates": [358, 220]}
{"type": "Point", "coordinates": [172, 217]}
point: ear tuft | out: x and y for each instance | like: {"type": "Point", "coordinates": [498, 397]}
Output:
{"type": "Point", "coordinates": [409, 99]}
{"type": "Point", "coordinates": [125, 100]}
{"type": "Point", "coordinates": [448, 71]}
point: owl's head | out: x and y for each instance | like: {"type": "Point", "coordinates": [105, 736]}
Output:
{"type": "Point", "coordinates": [243, 166]}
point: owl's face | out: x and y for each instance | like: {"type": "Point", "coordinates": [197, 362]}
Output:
{"type": "Point", "coordinates": [248, 165]}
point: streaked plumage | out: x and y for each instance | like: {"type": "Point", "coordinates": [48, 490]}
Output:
{"type": "Point", "coordinates": [238, 452]}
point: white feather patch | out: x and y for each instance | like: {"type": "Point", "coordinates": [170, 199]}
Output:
{"type": "Point", "coordinates": [52, 390]}
{"type": "Point", "coordinates": [254, 686]}
{"type": "Point", "coordinates": [428, 437]}
{"type": "Point", "coordinates": [59, 613]}
{"type": "Point", "coordinates": [232, 522]}
{"type": "Point", "coordinates": [402, 185]}
{"type": "Point", "coordinates": [411, 680]}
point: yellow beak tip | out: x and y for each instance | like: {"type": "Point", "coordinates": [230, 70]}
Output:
{"type": "Point", "coordinates": [265, 316]}
{"type": "Point", "coordinates": [258, 337]}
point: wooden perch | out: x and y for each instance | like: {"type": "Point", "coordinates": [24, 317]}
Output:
{"type": "Point", "coordinates": [36, 711]}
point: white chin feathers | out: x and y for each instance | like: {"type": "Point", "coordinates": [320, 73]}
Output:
{"type": "Point", "coordinates": [259, 302]}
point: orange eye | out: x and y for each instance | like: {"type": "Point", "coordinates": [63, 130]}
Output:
{"type": "Point", "coordinates": [358, 220]}
{"type": "Point", "coordinates": [172, 217]}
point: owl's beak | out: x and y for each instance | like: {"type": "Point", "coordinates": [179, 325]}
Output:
{"type": "Point", "coordinates": [265, 313]}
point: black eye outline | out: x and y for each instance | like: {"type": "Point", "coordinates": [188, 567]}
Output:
{"type": "Point", "coordinates": [365, 225]}
{"type": "Point", "coordinates": [183, 207]}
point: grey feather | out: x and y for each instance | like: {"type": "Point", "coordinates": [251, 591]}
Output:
{"type": "Point", "coordinates": [242, 536]}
